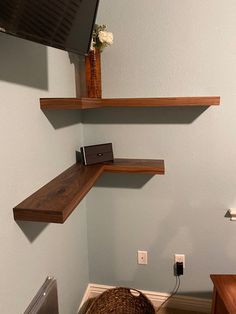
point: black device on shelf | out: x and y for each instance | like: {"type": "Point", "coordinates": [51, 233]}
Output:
{"type": "Point", "coordinates": [95, 154]}
{"type": "Point", "coordinates": [63, 24]}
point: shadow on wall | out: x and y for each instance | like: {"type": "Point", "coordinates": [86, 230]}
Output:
{"type": "Point", "coordinates": [80, 81]}
{"type": "Point", "coordinates": [23, 62]}
{"type": "Point", "coordinates": [62, 118]}
{"type": "Point", "coordinates": [160, 115]}
{"type": "Point", "coordinates": [32, 229]}
{"type": "Point", "coordinates": [123, 180]}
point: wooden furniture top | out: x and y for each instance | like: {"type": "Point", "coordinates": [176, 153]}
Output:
{"type": "Point", "coordinates": [87, 103]}
{"type": "Point", "coordinates": [55, 201]}
{"type": "Point", "coordinates": [226, 289]}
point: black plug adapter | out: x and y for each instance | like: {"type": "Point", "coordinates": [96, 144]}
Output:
{"type": "Point", "coordinates": [179, 268]}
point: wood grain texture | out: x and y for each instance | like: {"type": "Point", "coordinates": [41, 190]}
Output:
{"type": "Point", "coordinates": [55, 201]}
{"type": "Point", "coordinates": [88, 103]}
{"type": "Point", "coordinates": [93, 74]}
{"type": "Point", "coordinates": [224, 298]}
{"type": "Point", "coordinates": [135, 165]}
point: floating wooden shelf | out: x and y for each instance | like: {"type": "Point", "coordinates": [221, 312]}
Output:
{"type": "Point", "coordinates": [87, 103]}
{"type": "Point", "coordinates": [55, 201]}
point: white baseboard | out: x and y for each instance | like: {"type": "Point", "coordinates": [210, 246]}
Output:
{"type": "Point", "coordinates": [157, 298]}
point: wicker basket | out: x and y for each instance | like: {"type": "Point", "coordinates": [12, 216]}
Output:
{"type": "Point", "coordinates": [121, 301]}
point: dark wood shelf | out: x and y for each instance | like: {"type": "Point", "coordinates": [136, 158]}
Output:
{"type": "Point", "coordinates": [55, 201]}
{"type": "Point", "coordinates": [87, 103]}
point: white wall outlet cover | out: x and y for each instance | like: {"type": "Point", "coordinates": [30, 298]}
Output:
{"type": "Point", "coordinates": [180, 258]}
{"type": "Point", "coordinates": [142, 257]}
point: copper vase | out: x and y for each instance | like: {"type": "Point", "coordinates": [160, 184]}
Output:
{"type": "Point", "coordinates": [93, 74]}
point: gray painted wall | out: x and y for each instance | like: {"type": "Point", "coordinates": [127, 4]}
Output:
{"type": "Point", "coordinates": [166, 48]}
{"type": "Point", "coordinates": [35, 147]}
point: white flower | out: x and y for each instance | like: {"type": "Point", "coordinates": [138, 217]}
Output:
{"type": "Point", "coordinates": [101, 38]}
{"type": "Point", "coordinates": [105, 37]}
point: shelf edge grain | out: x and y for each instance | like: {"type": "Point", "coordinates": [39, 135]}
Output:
{"type": "Point", "coordinates": [89, 103]}
{"type": "Point", "coordinates": [152, 166]}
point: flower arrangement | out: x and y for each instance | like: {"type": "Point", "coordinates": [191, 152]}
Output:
{"type": "Point", "coordinates": [101, 38]}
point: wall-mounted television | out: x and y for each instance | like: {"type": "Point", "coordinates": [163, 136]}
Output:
{"type": "Point", "coordinates": [63, 24]}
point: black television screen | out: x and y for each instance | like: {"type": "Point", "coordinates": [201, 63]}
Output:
{"type": "Point", "coordinates": [63, 24]}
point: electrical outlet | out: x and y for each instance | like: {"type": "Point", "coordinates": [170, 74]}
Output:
{"type": "Point", "coordinates": [180, 258]}
{"type": "Point", "coordinates": [142, 257]}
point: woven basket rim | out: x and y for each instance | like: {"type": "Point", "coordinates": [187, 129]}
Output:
{"type": "Point", "coordinates": [122, 300]}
